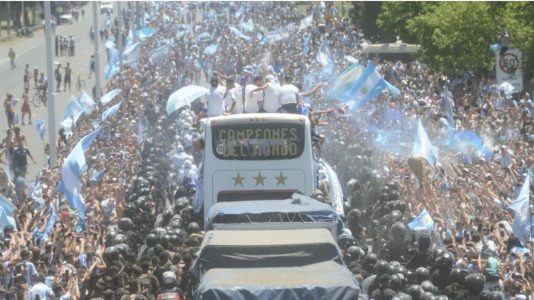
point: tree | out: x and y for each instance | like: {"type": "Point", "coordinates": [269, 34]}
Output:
{"type": "Point", "coordinates": [365, 14]}
{"type": "Point", "coordinates": [394, 16]}
{"type": "Point", "coordinates": [456, 35]}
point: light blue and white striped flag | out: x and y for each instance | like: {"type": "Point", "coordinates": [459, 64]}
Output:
{"type": "Point", "coordinates": [71, 169]}
{"type": "Point", "coordinates": [521, 210]}
{"type": "Point", "coordinates": [423, 147]}
{"type": "Point", "coordinates": [365, 88]}
{"type": "Point", "coordinates": [109, 96]}
{"type": "Point", "coordinates": [111, 111]}
{"type": "Point", "coordinates": [423, 222]}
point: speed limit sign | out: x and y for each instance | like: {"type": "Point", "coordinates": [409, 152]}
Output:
{"type": "Point", "coordinates": [508, 67]}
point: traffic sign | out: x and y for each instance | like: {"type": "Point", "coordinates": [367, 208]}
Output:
{"type": "Point", "coordinates": [509, 68]}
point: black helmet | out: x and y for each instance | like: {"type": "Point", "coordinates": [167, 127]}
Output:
{"type": "Point", "coordinates": [381, 267]}
{"type": "Point", "coordinates": [427, 296]}
{"type": "Point", "coordinates": [369, 261]}
{"type": "Point", "coordinates": [119, 239]}
{"type": "Point", "coordinates": [399, 229]}
{"type": "Point", "coordinates": [458, 275]}
{"type": "Point", "coordinates": [415, 291]}
{"type": "Point", "coordinates": [436, 254]}
{"type": "Point", "coordinates": [176, 222]}
{"type": "Point", "coordinates": [395, 216]}
{"type": "Point", "coordinates": [427, 286]}
{"type": "Point", "coordinates": [489, 295]}
{"type": "Point", "coordinates": [474, 283]}
{"type": "Point", "coordinates": [421, 274]}
{"type": "Point", "coordinates": [110, 254]}
{"type": "Point", "coordinates": [394, 195]}
{"type": "Point", "coordinates": [123, 249]}
{"type": "Point", "coordinates": [410, 276]}
{"type": "Point", "coordinates": [445, 261]}
{"type": "Point", "coordinates": [180, 204]}
{"type": "Point", "coordinates": [193, 227]}
{"type": "Point", "coordinates": [126, 224]}
{"type": "Point", "coordinates": [395, 282]}
{"type": "Point", "coordinates": [151, 240]}
{"type": "Point", "coordinates": [352, 253]}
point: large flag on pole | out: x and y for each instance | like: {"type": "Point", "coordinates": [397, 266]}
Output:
{"type": "Point", "coordinates": [365, 88]}
{"type": "Point", "coordinates": [344, 82]}
{"type": "Point", "coordinates": [423, 147]}
{"type": "Point", "coordinates": [71, 169]}
{"type": "Point", "coordinates": [521, 210]}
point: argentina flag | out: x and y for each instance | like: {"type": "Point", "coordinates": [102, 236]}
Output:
{"type": "Point", "coordinates": [365, 88]}
{"type": "Point", "coordinates": [423, 222]}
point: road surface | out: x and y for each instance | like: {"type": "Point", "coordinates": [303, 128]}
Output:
{"type": "Point", "coordinates": [32, 51]}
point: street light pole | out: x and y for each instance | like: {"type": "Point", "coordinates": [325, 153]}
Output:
{"type": "Point", "coordinates": [50, 89]}
{"type": "Point", "coordinates": [121, 46]}
{"type": "Point", "coordinates": [97, 54]}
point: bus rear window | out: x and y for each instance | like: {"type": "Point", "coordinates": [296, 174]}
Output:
{"type": "Point", "coordinates": [258, 141]}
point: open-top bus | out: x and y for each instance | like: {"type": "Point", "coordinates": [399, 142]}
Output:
{"type": "Point", "coordinates": [258, 157]}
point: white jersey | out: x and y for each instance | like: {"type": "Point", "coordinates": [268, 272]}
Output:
{"type": "Point", "coordinates": [234, 95]}
{"type": "Point", "coordinates": [214, 101]}
{"type": "Point", "coordinates": [271, 98]}
{"type": "Point", "coordinates": [252, 101]}
{"type": "Point", "coordinates": [288, 94]}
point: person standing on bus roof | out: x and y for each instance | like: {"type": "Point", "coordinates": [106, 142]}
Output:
{"type": "Point", "coordinates": [254, 101]}
{"type": "Point", "coordinates": [271, 90]}
{"type": "Point", "coordinates": [214, 99]}
{"type": "Point", "coordinates": [290, 96]}
{"type": "Point", "coordinates": [233, 102]}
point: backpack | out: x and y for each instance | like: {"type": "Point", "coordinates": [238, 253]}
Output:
{"type": "Point", "coordinates": [20, 158]}
{"type": "Point", "coordinates": [169, 296]}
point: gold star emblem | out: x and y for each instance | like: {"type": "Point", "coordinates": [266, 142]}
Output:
{"type": "Point", "coordinates": [364, 89]}
{"type": "Point", "coordinates": [238, 180]}
{"type": "Point", "coordinates": [281, 179]}
{"type": "Point", "coordinates": [259, 179]}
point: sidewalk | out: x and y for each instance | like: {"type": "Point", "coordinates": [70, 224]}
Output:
{"type": "Point", "coordinates": [13, 35]}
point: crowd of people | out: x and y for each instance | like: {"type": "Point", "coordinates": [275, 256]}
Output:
{"type": "Point", "coordinates": [65, 45]}
{"type": "Point", "coordinates": [139, 233]}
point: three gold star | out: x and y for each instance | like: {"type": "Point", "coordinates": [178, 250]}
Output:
{"type": "Point", "coordinates": [238, 180]}
{"type": "Point", "coordinates": [281, 179]}
{"type": "Point", "coordinates": [259, 179]}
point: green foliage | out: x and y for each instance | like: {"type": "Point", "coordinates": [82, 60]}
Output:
{"type": "Point", "coordinates": [454, 35]}
{"type": "Point", "coordinates": [394, 16]}
{"type": "Point", "coordinates": [365, 14]}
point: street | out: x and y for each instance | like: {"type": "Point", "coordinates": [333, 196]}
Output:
{"type": "Point", "coordinates": [32, 51]}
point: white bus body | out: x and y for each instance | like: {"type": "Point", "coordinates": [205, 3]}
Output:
{"type": "Point", "coordinates": [256, 157]}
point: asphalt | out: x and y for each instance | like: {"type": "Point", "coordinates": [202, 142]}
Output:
{"type": "Point", "coordinates": [32, 51]}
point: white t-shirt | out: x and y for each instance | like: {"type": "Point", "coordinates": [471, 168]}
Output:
{"type": "Point", "coordinates": [234, 94]}
{"type": "Point", "coordinates": [288, 94]}
{"type": "Point", "coordinates": [272, 101]}
{"type": "Point", "coordinates": [214, 101]}
{"type": "Point", "coordinates": [252, 101]}
{"type": "Point", "coordinates": [42, 290]}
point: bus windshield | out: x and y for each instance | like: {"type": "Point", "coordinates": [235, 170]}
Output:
{"type": "Point", "coordinates": [258, 141]}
